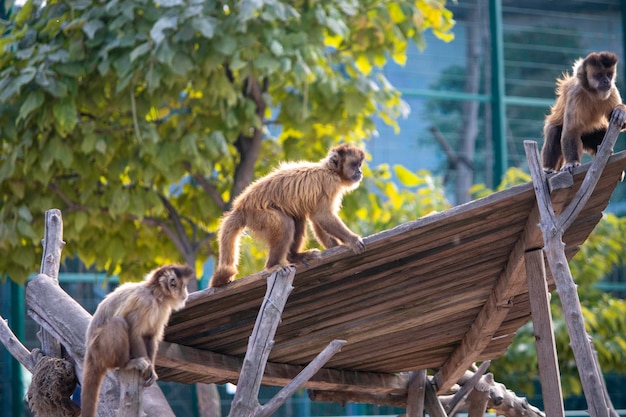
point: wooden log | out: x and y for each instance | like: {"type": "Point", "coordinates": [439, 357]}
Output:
{"type": "Point", "coordinates": [553, 227]}
{"type": "Point", "coordinates": [131, 393]}
{"type": "Point", "coordinates": [415, 393]}
{"type": "Point", "coordinates": [279, 286]}
{"type": "Point", "coordinates": [343, 397]}
{"type": "Point", "coordinates": [67, 322]}
{"type": "Point", "coordinates": [50, 263]}
{"type": "Point", "coordinates": [478, 399]}
{"type": "Point", "coordinates": [14, 346]}
{"type": "Point", "coordinates": [432, 403]}
{"type": "Point", "coordinates": [466, 388]}
{"type": "Point", "coordinates": [544, 334]}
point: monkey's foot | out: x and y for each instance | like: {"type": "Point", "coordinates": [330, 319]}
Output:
{"type": "Point", "coordinates": [305, 257]}
{"type": "Point", "coordinates": [548, 170]}
{"type": "Point", "coordinates": [570, 166]}
{"type": "Point", "coordinates": [358, 246]}
{"type": "Point", "coordinates": [151, 379]}
{"type": "Point", "coordinates": [280, 267]}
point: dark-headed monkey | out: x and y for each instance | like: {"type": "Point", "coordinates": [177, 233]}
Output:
{"type": "Point", "coordinates": [578, 120]}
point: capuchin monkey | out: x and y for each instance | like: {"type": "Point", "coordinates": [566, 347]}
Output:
{"type": "Point", "coordinates": [127, 327]}
{"type": "Point", "coordinates": [276, 209]}
{"type": "Point", "coordinates": [579, 119]}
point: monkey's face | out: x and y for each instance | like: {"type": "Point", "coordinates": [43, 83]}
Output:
{"type": "Point", "coordinates": [173, 281]}
{"type": "Point", "coordinates": [601, 79]}
{"type": "Point", "coordinates": [352, 169]}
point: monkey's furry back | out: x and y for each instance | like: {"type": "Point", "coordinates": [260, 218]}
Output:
{"type": "Point", "coordinates": [296, 188]}
{"type": "Point", "coordinates": [126, 300]}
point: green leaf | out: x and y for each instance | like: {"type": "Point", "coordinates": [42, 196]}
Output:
{"type": "Point", "coordinates": [24, 13]}
{"type": "Point", "coordinates": [205, 25]}
{"type": "Point", "coordinates": [164, 23]}
{"type": "Point", "coordinates": [182, 64]}
{"type": "Point", "coordinates": [65, 115]}
{"type": "Point", "coordinates": [79, 220]}
{"type": "Point", "coordinates": [32, 103]}
{"type": "Point", "coordinates": [142, 49]}
{"type": "Point", "coordinates": [226, 45]}
{"type": "Point", "coordinates": [90, 28]}
{"type": "Point", "coordinates": [267, 63]}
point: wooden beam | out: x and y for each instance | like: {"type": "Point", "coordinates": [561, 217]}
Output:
{"type": "Point", "coordinates": [544, 334]}
{"type": "Point", "coordinates": [415, 393]}
{"type": "Point", "coordinates": [209, 365]}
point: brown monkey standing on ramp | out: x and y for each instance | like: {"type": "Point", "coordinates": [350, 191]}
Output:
{"type": "Point", "coordinates": [127, 327]}
{"type": "Point", "coordinates": [276, 208]}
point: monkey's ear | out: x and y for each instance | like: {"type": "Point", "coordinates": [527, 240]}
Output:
{"type": "Point", "coordinates": [333, 159]}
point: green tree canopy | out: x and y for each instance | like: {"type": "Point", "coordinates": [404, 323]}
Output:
{"type": "Point", "coordinates": [141, 120]}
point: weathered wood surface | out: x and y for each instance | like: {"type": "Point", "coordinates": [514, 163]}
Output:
{"type": "Point", "coordinates": [449, 282]}
{"type": "Point", "coordinates": [50, 263]}
{"type": "Point", "coordinates": [547, 358]}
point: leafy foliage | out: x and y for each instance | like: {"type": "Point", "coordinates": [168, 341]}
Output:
{"type": "Point", "coordinates": [141, 120]}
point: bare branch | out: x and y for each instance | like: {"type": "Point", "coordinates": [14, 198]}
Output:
{"type": "Point", "coordinates": [14, 346]}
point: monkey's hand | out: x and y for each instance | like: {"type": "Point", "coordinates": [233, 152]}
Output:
{"type": "Point", "coordinates": [357, 245]}
{"type": "Point", "coordinates": [619, 114]}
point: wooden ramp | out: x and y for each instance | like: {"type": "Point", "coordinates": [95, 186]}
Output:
{"type": "Point", "coordinates": [437, 293]}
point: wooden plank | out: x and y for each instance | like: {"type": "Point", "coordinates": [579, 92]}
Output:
{"type": "Point", "coordinates": [544, 334]}
{"type": "Point", "coordinates": [227, 368]}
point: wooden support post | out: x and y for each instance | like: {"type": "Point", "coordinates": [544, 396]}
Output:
{"type": "Point", "coordinates": [553, 227]}
{"type": "Point", "coordinates": [50, 263]}
{"type": "Point", "coordinates": [431, 402]}
{"type": "Point", "coordinates": [279, 286]}
{"type": "Point", "coordinates": [131, 393]}
{"type": "Point", "coordinates": [544, 334]}
{"type": "Point", "coordinates": [415, 393]}
{"type": "Point", "coordinates": [246, 403]}
{"type": "Point", "coordinates": [467, 388]}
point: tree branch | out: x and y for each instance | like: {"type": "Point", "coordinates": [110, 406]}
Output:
{"type": "Point", "coordinates": [249, 147]}
{"type": "Point", "coordinates": [178, 224]}
{"type": "Point", "coordinates": [14, 346]}
{"type": "Point", "coordinates": [209, 189]}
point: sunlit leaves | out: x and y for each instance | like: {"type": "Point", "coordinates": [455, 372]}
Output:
{"type": "Point", "coordinates": [112, 110]}
{"type": "Point", "coordinates": [380, 203]}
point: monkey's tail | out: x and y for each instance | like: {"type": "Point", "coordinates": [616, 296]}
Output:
{"type": "Point", "coordinates": [228, 236]}
{"type": "Point", "coordinates": [90, 389]}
